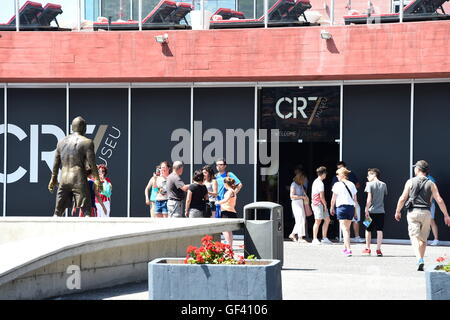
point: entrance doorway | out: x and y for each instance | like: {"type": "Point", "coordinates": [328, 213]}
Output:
{"type": "Point", "coordinates": [309, 155]}
{"type": "Point", "coordinates": [306, 121]}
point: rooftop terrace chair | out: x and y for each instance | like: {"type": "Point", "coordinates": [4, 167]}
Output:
{"type": "Point", "coordinates": [181, 12]}
{"type": "Point", "coordinates": [299, 9]}
{"type": "Point", "coordinates": [50, 12]}
{"type": "Point", "coordinates": [417, 10]}
{"type": "Point", "coordinates": [165, 15]}
{"type": "Point", "coordinates": [278, 16]}
{"type": "Point", "coordinates": [28, 17]}
{"type": "Point", "coordinates": [227, 14]}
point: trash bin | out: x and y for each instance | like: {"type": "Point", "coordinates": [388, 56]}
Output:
{"type": "Point", "coordinates": [264, 238]}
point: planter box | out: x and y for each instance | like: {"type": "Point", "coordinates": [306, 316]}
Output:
{"type": "Point", "coordinates": [438, 284]}
{"type": "Point", "coordinates": [171, 279]}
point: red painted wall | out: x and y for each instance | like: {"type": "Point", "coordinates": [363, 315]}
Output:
{"type": "Point", "coordinates": [409, 50]}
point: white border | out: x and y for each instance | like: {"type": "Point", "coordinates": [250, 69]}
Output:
{"type": "Point", "coordinates": [191, 156]}
{"type": "Point", "coordinates": [5, 146]}
{"type": "Point", "coordinates": [255, 148]}
{"type": "Point", "coordinates": [129, 155]}
{"type": "Point", "coordinates": [220, 84]}
{"type": "Point", "coordinates": [411, 131]}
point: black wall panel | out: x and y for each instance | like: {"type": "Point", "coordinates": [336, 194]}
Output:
{"type": "Point", "coordinates": [106, 113]}
{"type": "Point", "coordinates": [157, 114]}
{"type": "Point", "coordinates": [219, 109]}
{"type": "Point", "coordinates": [37, 119]}
{"type": "Point", "coordinates": [376, 130]}
{"type": "Point", "coordinates": [2, 123]}
{"type": "Point", "coordinates": [431, 132]}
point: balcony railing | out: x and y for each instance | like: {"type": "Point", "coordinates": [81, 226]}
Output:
{"type": "Point", "coordinates": [88, 15]}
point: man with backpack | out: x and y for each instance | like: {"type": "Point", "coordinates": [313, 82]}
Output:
{"type": "Point", "coordinates": [416, 198]}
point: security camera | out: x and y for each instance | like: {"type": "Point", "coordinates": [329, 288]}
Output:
{"type": "Point", "coordinates": [164, 38]}
{"type": "Point", "coordinates": [324, 34]}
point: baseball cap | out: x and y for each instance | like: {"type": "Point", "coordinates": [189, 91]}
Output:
{"type": "Point", "coordinates": [422, 165]}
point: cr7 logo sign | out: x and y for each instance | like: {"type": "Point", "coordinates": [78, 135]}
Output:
{"type": "Point", "coordinates": [296, 104]}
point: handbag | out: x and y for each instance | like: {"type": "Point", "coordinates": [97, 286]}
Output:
{"type": "Point", "coordinates": [351, 196]}
{"type": "Point", "coordinates": [208, 210]}
{"type": "Point", "coordinates": [306, 206]}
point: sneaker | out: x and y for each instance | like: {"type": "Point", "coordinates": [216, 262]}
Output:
{"type": "Point", "coordinates": [360, 240]}
{"type": "Point", "coordinates": [326, 241]}
{"type": "Point", "coordinates": [366, 251]}
{"type": "Point", "coordinates": [315, 241]}
{"type": "Point", "coordinates": [434, 242]}
{"type": "Point", "coordinates": [357, 239]}
{"type": "Point", "coordinates": [347, 253]}
{"type": "Point", "coordinates": [420, 265]}
{"type": "Point", "coordinates": [379, 253]}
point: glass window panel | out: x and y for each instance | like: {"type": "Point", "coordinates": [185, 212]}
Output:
{"type": "Point", "coordinates": [106, 113]}
{"type": "Point", "coordinates": [38, 121]}
{"type": "Point", "coordinates": [117, 10]}
{"type": "Point", "coordinates": [153, 124]}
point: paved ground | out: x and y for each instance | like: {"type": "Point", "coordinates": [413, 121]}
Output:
{"type": "Point", "coordinates": [322, 272]}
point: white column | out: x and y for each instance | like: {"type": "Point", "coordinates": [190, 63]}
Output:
{"type": "Point", "coordinates": [79, 15]}
{"type": "Point", "coordinates": [332, 12]}
{"type": "Point", "coordinates": [191, 156]}
{"type": "Point", "coordinates": [341, 140]}
{"type": "Point", "coordinates": [17, 18]}
{"type": "Point", "coordinates": [129, 153]}
{"type": "Point", "coordinates": [202, 9]}
{"type": "Point", "coordinates": [266, 14]}
{"type": "Point", "coordinates": [401, 11]}
{"type": "Point", "coordinates": [140, 15]}
{"type": "Point", "coordinates": [5, 146]}
{"type": "Point", "coordinates": [255, 148]}
{"type": "Point", "coordinates": [411, 130]}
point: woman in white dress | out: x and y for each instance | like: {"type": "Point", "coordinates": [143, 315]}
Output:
{"type": "Point", "coordinates": [298, 195]}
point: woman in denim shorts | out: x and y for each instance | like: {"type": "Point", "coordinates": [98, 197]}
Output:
{"type": "Point", "coordinates": [344, 198]}
{"type": "Point", "coordinates": [160, 182]}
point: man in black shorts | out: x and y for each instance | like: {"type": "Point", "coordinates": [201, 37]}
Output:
{"type": "Point", "coordinates": [376, 191]}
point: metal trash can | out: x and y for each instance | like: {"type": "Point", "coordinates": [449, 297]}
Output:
{"type": "Point", "coordinates": [264, 238]}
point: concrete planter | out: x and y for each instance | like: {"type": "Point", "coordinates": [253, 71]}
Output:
{"type": "Point", "coordinates": [171, 279]}
{"type": "Point", "coordinates": [438, 284]}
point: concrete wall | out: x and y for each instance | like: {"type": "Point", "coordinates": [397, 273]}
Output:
{"type": "Point", "coordinates": [103, 261]}
{"type": "Point", "coordinates": [408, 50]}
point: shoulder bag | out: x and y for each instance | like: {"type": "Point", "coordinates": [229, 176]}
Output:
{"type": "Point", "coordinates": [351, 196]}
{"type": "Point", "coordinates": [306, 206]}
{"type": "Point", "coordinates": [409, 204]}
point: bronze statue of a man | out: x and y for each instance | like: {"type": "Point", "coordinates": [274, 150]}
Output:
{"type": "Point", "coordinates": [75, 155]}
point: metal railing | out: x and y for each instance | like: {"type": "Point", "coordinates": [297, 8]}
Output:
{"type": "Point", "coordinates": [82, 14]}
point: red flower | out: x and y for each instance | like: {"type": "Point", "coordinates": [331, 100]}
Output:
{"type": "Point", "coordinates": [212, 252]}
{"type": "Point", "coordinates": [440, 259]}
{"type": "Point", "coordinates": [206, 239]}
{"type": "Point", "coordinates": [190, 249]}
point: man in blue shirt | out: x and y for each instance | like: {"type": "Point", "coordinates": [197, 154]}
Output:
{"type": "Point", "coordinates": [221, 166]}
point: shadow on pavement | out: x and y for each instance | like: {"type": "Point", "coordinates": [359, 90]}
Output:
{"type": "Point", "coordinates": [105, 293]}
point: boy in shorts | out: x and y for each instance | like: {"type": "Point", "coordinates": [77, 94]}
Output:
{"type": "Point", "coordinates": [319, 207]}
{"type": "Point", "coordinates": [376, 191]}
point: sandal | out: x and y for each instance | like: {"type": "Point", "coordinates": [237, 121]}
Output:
{"type": "Point", "coordinates": [292, 237]}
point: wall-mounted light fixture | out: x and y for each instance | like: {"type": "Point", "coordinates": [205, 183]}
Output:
{"type": "Point", "coordinates": [326, 35]}
{"type": "Point", "coordinates": [164, 38]}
